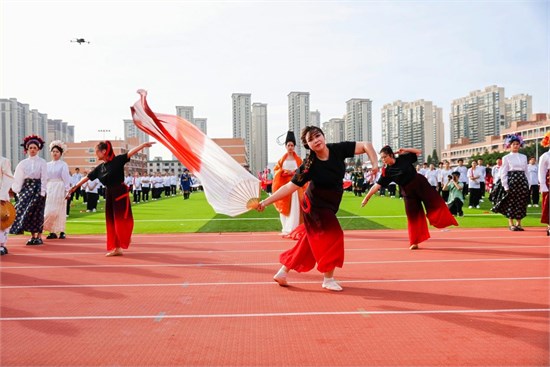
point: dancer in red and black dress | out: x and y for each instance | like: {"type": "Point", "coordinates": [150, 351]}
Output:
{"type": "Point", "coordinates": [321, 239]}
{"type": "Point", "coordinates": [118, 212]}
{"type": "Point", "coordinates": [416, 191]}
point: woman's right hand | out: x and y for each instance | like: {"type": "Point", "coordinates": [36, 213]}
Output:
{"type": "Point", "coordinates": [365, 201]}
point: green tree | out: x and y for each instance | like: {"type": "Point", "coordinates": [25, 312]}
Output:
{"type": "Point", "coordinates": [435, 158]}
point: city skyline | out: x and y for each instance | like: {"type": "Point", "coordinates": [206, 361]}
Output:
{"type": "Point", "coordinates": [191, 54]}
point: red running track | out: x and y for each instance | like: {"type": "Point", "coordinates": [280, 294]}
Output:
{"type": "Point", "coordinates": [468, 297]}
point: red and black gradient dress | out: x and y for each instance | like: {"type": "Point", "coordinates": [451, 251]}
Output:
{"type": "Point", "coordinates": [417, 191]}
{"type": "Point", "coordinates": [118, 212]}
{"type": "Point", "coordinates": [320, 237]}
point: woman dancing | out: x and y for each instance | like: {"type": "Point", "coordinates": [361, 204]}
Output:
{"type": "Point", "coordinates": [322, 239]}
{"type": "Point", "coordinates": [118, 211]}
{"type": "Point", "coordinates": [416, 191]}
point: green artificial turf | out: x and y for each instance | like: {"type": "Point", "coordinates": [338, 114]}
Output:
{"type": "Point", "coordinates": [175, 215]}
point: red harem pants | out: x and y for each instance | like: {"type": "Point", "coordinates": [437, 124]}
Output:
{"type": "Point", "coordinates": [416, 193]}
{"type": "Point", "coordinates": [321, 241]}
{"type": "Point", "coordinates": [118, 216]}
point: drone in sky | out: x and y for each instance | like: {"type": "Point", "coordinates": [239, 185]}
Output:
{"type": "Point", "coordinates": [80, 41]}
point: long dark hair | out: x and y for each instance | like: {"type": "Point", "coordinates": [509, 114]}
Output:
{"type": "Point", "coordinates": [387, 150]}
{"type": "Point", "coordinates": [310, 158]}
{"type": "Point", "coordinates": [108, 147]}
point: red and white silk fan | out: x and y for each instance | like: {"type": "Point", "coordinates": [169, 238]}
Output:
{"type": "Point", "coordinates": [229, 188]}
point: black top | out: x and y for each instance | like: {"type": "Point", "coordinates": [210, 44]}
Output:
{"type": "Point", "coordinates": [401, 172]}
{"type": "Point", "coordinates": [110, 173]}
{"type": "Point", "coordinates": [327, 174]}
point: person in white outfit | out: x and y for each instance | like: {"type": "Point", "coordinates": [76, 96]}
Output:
{"type": "Point", "coordinates": [512, 193]}
{"type": "Point", "coordinates": [288, 207]}
{"type": "Point", "coordinates": [59, 184]}
{"type": "Point", "coordinates": [533, 179]}
{"type": "Point", "coordinates": [30, 182]}
{"type": "Point", "coordinates": [6, 179]}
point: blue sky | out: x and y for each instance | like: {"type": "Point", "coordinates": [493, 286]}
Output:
{"type": "Point", "coordinates": [200, 52]}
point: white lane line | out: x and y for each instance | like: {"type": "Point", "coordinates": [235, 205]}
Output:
{"type": "Point", "coordinates": [406, 249]}
{"type": "Point", "coordinates": [264, 264]}
{"type": "Point", "coordinates": [102, 221]}
{"type": "Point", "coordinates": [361, 312]}
{"type": "Point", "coordinates": [209, 284]}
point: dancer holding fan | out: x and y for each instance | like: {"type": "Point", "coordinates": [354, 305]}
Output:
{"type": "Point", "coordinates": [322, 240]}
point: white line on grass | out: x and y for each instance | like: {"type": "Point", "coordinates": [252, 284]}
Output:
{"type": "Point", "coordinates": [361, 312]}
{"type": "Point", "coordinates": [209, 284]}
{"type": "Point", "coordinates": [274, 218]}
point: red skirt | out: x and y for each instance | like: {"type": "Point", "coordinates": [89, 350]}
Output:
{"type": "Point", "coordinates": [320, 237]}
{"type": "Point", "coordinates": [118, 217]}
{"type": "Point", "coordinates": [416, 193]}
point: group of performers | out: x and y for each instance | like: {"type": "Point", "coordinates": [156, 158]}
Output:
{"type": "Point", "coordinates": [43, 188]}
{"type": "Point", "coordinates": [320, 236]}
{"type": "Point", "coordinates": [307, 195]}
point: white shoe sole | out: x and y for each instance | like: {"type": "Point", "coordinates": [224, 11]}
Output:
{"type": "Point", "coordinates": [333, 288]}
{"type": "Point", "coordinates": [281, 281]}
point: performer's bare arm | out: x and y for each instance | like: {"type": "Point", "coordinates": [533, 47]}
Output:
{"type": "Point", "coordinates": [373, 190]}
{"type": "Point", "coordinates": [283, 191]}
{"type": "Point", "coordinates": [80, 183]}
{"type": "Point", "coordinates": [140, 147]}
{"type": "Point", "coordinates": [409, 150]}
{"type": "Point", "coordinates": [366, 147]}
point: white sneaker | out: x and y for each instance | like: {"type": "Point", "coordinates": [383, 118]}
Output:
{"type": "Point", "coordinates": [470, 207]}
{"type": "Point", "coordinates": [477, 206]}
{"type": "Point", "coordinates": [332, 285]}
{"type": "Point", "coordinates": [536, 205]}
{"type": "Point", "coordinates": [93, 210]}
{"type": "Point", "coordinates": [529, 205]}
{"type": "Point", "coordinates": [115, 252]}
{"type": "Point", "coordinates": [280, 278]}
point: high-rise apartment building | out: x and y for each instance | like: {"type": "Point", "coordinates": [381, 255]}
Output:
{"type": "Point", "coordinates": [415, 124]}
{"type": "Point", "coordinates": [59, 130]}
{"type": "Point", "coordinates": [358, 120]}
{"type": "Point", "coordinates": [315, 118]}
{"type": "Point", "coordinates": [480, 114]}
{"type": "Point", "coordinates": [132, 131]}
{"type": "Point", "coordinates": [518, 108]}
{"type": "Point", "coordinates": [242, 119]}
{"type": "Point", "coordinates": [202, 124]}
{"type": "Point", "coordinates": [186, 112]}
{"type": "Point", "coordinates": [298, 116]}
{"type": "Point", "coordinates": [17, 120]}
{"type": "Point", "coordinates": [334, 130]}
{"type": "Point", "coordinates": [258, 152]}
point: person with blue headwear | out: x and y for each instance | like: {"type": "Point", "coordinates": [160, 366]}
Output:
{"type": "Point", "coordinates": [511, 194]}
